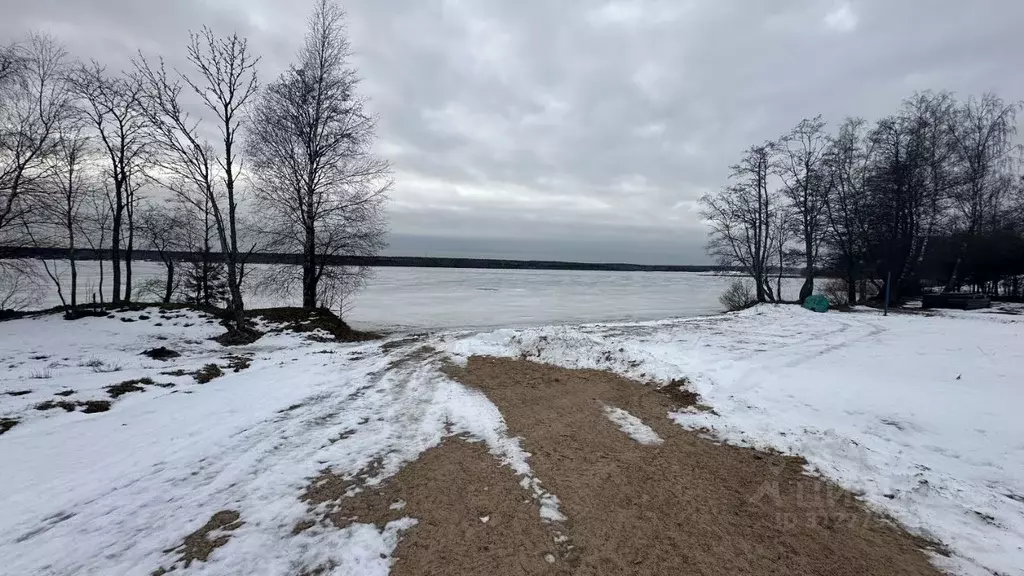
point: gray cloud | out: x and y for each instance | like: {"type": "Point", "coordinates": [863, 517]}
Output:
{"type": "Point", "coordinates": [588, 129]}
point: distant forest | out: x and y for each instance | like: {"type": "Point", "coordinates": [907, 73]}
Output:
{"type": "Point", "coordinates": [379, 261]}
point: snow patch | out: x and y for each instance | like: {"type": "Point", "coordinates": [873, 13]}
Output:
{"type": "Point", "coordinates": [633, 426]}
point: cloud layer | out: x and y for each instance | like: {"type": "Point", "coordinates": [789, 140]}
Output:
{"type": "Point", "coordinates": [583, 130]}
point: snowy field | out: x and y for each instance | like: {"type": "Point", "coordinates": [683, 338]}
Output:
{"type": "Point", "coordinates": [917, 414]}
{"type": "Point", "coordinates": [432, 298]}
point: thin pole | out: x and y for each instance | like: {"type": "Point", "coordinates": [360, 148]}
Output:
{"type": "Point", "coordinates": [888, 287]}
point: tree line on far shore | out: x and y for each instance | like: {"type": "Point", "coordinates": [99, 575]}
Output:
{"type": "Point", "coordinates": [203, 160]}
{"type": "Point", "coordinates": [929, 197]}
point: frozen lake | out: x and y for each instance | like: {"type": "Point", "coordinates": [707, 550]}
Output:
{"type": "Point", "coordinates": [427, 298]}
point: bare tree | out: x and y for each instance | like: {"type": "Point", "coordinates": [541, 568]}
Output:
{"type": "Point", "coordinates": [163, 228]}
{"type": "Point", "coordinates": [982, 133]}
{"type": "Point", "coordinates": [801, 168]}
{"type": "Point", "coordinates": [60, 203]}
{"type": "Point", "coordinates": [18, 286]}
{"type": "Point", "coordinates": [113, 107]}
{"type": "Point", "coordinates": [224, 79]}
{"type": "Point", "coordinates": [11, 63]}
{"type": "Point", "coordinates": [847, 162]}
{"type": "Point", "coordinates": [316, 176]}
{"type": "Point", "coordinates": [743, 218]}
{"type": "Point", "coordinates": [94, 226]}
{"type": "Point", "coordinates": [33, 100]}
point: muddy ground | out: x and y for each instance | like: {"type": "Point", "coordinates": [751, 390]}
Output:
{"type": "Point", "coordinates": [685, 506]}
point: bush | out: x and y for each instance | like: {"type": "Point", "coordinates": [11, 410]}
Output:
{"type": "Point", "coordinates": [738, 296]}
{"type": "Point", "coordinates": [836, 290]}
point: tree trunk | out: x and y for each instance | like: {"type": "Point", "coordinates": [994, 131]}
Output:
{"type": "Point", "coordinates": [115, 257]}
{"type": "Point", "coordinates": [74, 273]}
{"type": "Point", "coordinates": [102, 302]}
{"type": "Point", "coordinates": [759, 287]}
{"type": "Point", "coordinates": [309, 275]}
{"type": "Point", "coordinates": [169, 289]}
{"type": "Point", "coordinates": [128, 261]}
{"type": "Point", "coordinates": [808, 288]}
{"type": "Point", "coordinates": [851, 288]}
{"type": "Point", "coordinates": [237, 306]}
{"type": "Point", "coordinates": [71, 259]}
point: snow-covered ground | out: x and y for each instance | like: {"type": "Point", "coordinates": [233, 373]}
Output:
{"type": "Point", "coordinates": [917, 414]}
{"type": "Point", "coordinates": [108, 493]}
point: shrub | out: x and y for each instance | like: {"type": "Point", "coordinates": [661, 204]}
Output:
{"type": "Point", "coordinates": [738, 296]}
{"type": "Point", "coordinates": [836, 290]}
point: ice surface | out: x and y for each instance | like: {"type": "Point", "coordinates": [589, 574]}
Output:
{"type": "Point", "coordinates": [433, 298]}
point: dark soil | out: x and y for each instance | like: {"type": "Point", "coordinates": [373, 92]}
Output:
{"type": "Point", "coordinates": [305, 320]}
{"type": "Point", "coordinates": [18, 392]}
{"type": "Point", "coordinates": [198, 545]}
{"type": "Point", "coordinates": [686, 506]}
{"type": "Point", "coordinates": [64, 393]}
{"type": "Point", "coordinates": [85, 313]}
{"type": "Point", "coordinates": [128, 386]}
{"type": "Point", "coordinates": [7, 423]}
{"type": "Point", "coordinates": [161, 353]}
{"type": "Point", "coordinates": [678, 393]}
{"type": "Point", "coordinates": [94, 406]}
{"type": "Point", "coordinates": [233, 337]}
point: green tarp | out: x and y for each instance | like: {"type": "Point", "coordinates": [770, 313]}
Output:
{"type": "Point", "coordinates": [816, 302]}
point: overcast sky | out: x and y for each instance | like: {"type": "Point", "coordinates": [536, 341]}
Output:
{"type": "Point", "coordinates": [578, 129]}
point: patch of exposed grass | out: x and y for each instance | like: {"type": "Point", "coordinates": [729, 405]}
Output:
{"type": "Point", "coordinates": [18, 392]}
{"type": "Point", "coordinates": [201, 543]}
{"type": "Point", "coordinates": [128, 386]}
{"type": "Point", "coordinates": [68, 406]}
{"type": "Point", "coordinates": [238, 363]}
{"type": "Point", "coordinates": [7, 423]}
{"type": "Point", "coordinates": [208, 373]}
{"type": "Point", "coordinates": [305, 320]}
{"type": "Point", "coordinates": [179, 372]}
{"type": "Point", "coordinates": [44, 374]}
{"type": "Point", "coordinates": [106, 368]}
{"type": "Point", "coordinates": [64, 393]}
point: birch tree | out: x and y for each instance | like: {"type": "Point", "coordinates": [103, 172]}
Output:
{"type": "Point", "coordinates": [316, 177]}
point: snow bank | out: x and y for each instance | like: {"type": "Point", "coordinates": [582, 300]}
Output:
{"type": "Point", "coordinates": [916, 414]}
